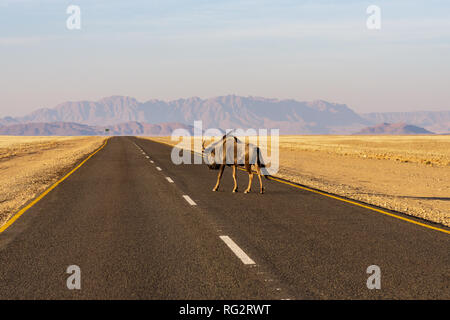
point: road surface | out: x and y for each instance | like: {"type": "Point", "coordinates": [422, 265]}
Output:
{"type": "Point", "coordinates": [140, 227]}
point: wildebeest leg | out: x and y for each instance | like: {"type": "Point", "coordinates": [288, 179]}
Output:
{"type": "Point", "coordinates": [219, 176]}
{"type": "Point", "coordinates": [250, 178]}
{"type": "Point", "coordinates": [258, 170]}
{"type": "Point", "coordinates": [234, 178]}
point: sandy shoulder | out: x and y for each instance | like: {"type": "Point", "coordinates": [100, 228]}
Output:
{"type": "Point", "coordinates": [29, 165]}
{"type": "Point", "coordinates": [409, 174]}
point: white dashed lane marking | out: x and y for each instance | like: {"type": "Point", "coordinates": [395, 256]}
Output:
{"type": "Point", "coordinates": [158, 168]}
{"type": "Point", "coordinates": [170, 180]}
{"type": "Point", "coordinates": [189, 200]}
{"type": "Point", "coordinates": [236, 250]}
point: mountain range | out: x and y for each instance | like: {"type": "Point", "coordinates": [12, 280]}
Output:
{"type": "Point", "coordinates": [125, 115]}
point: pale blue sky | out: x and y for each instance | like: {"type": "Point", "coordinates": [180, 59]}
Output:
{"type": "Point", "coordinates": [170, 49]}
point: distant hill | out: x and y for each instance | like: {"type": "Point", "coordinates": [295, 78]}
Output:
{"type": "Point", "coordinates": [76, 129]}
{"type": "Point", "coordinates": [48, 129]}
{"type": "Point", "coordinates": [436, 121]}
{"type": "Point", "coordinates": [8, 121]}
{"type": "Point", "coordinates": [227, 112]}
{"type": "Point", "coordinates": [394, 129]}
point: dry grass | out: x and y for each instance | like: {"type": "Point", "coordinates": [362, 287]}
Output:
{"type": "Point", "coordinates": [29, 165]}
{"type": "Point", "coordinates": [430, 150]}
{"type": "Point", "coordinates": [409, 174]}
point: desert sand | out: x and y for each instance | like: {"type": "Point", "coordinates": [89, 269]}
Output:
{"type": "Point", "coordinates": [409, 174]}
{"type": "Point", "coordinates": [29, 165]}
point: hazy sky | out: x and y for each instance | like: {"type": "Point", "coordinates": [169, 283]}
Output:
{"type": "Point", "coordinates": [170, 49]}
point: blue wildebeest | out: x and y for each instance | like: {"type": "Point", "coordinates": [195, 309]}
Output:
{"type": "Point", "coordinates": [233, 152]}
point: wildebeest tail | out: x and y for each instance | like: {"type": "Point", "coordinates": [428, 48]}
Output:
{"type": "Point", "coordinates": [259, 158]}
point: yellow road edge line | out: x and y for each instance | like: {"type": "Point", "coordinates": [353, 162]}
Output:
{"type": "Point", "coordinates": [42, 195]}
{"type": "Point", "coordinates": [336, 197]}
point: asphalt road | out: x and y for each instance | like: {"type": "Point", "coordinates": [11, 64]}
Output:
{"type": "Point", "coordinates": [135, 236]}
